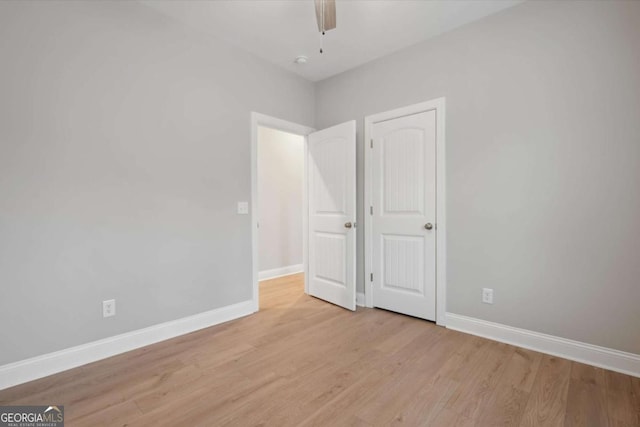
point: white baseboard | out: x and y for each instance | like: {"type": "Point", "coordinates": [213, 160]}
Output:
{"type": "Point", "coordinates": [602, 357]}
{"type": "Point", "coordinates": [279, 272]}
{"type": "Point", "coordinates": [360, 299]}
{"type": "Point", "coordinates": [52, 363]}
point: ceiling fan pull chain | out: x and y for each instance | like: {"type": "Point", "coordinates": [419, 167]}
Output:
{"type": "Point", "coordinates": [322, 25]}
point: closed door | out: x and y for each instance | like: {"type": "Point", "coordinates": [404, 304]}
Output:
{"type": "Point", "coordinates": [404, 214]}
{"type": "Point", "coordinates": [332, 212]}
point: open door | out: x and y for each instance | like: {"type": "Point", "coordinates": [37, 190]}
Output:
{"type": "Point", "coordinates": [331, 194]}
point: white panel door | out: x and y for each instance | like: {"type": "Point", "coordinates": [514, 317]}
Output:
{"type": "Point", "coordinates": [404, 214]}
{"type": "Point", "coordinates": [332, 213]}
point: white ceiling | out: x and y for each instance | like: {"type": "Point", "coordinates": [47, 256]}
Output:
{"type": "Point", "coordinates": [280, 30]}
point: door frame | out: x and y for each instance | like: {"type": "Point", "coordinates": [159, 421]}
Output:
{"type": "Point", "coordinates": [257, 120]}
{"type": "Point", "coordinates": [441, 226]}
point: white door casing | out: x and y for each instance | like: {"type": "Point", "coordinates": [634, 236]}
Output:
{"type": "Point", "coordinates": [331, 195]}
{"type": "Point", "coordinates": [405, 227]}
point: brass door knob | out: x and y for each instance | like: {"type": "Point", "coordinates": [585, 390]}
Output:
{"type": "Point", "coordinates": [428, 226]}
{"type": "Point", "coordinates": [348, 225]}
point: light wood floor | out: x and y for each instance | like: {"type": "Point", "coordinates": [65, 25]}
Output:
{"type": "Point", "coordinates": [301, 361]}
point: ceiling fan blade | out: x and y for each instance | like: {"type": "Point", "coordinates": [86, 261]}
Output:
{"type": "Point", "coordinates": [329, 14]}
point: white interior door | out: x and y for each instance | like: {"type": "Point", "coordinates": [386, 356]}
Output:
{"type": "Point", "coordinates": [332, 212]}
{"type": "Point", "coordinates": [404, 214]}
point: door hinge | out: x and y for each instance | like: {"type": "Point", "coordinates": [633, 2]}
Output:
{"type": "Point", "coordinates": [372, 277]}
{"type": "Point", "coordinates": [371, 142]}
{"type": "Point", "coordinates": [371, 210]}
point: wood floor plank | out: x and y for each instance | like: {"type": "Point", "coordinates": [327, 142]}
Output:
{"type": "Point", "coordinates": [589, 374]}
{"type": "Point", "coordinates": [506, 405]}
{"type": "Point", "coordinates": [462, 362]}
{"type": "Point", "coordinates": [425, 405]}
{"type": "Point", "coordinates": [375, 383]}
{"type": "Point", "coordinates": [306, 396]}
{"type": "Point", "coordinates": [587, 397]}
{"type": "Point", "coordinates": [109, 416]}
{"type": "Point", "coordinates": [407, 332]}
{"type": "Point", "coordinates": [302, 362]}
{"type": "Point", "coordinates": [548, 398]}
{"type": "Point", "coordinates": [390, 404]}
{"type": "Point", "coordinates": [620, 400]}
{"type": "Point", "coordinates": [635, 391]}
{"type": "Point", "coordinates": [586, 406]}
{"type": "Point", "coordinates": [450, 418]}
{"type": "Point", "coordinates": [523, 369]}
{"type": "Point", "coordinates": [489, 365]}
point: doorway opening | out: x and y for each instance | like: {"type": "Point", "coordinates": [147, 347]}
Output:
{"type": "Point", "coordinates": [278, 205]}
{"type": "Point", "coordinates": [328, 211]}
{"type": "Point", "coordinates": [280, 213]}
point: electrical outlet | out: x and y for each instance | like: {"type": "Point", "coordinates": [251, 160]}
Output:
{"type": "Point", "coordinates": [487, 295]}
{"type": "Point", "coordinates": [109, 308]}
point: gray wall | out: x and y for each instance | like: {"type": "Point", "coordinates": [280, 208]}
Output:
{"type": "Point", "coordinates": [543, 161]}
{"type": "Point", "coordinates": [280, 184]}
{"type": "Point", "coordinates": [124, 147]}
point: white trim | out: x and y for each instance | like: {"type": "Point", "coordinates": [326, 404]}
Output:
{"type": "Point", "coordinates": [305, 215]}
{"type": "Point", "coordinates": [41, 366]}
{"type": "Point", "coordinates": [441, 225]}
{"type": "Point", "coordinates": [281, 271]}
{"type": "Point", "coordinates": [257, 120]}
{"type": "Point", "coordinates": [360, 299]}
{"type": "Point", "coordinates": [607, 358]}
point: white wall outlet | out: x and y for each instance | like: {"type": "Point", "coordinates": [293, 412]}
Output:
{"type": "Point", "coordinates": [109, 308]}
{"type": "Point", "coordinates": [243, 208]}
{"type": "Point", "coordinates": [487, 295]}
